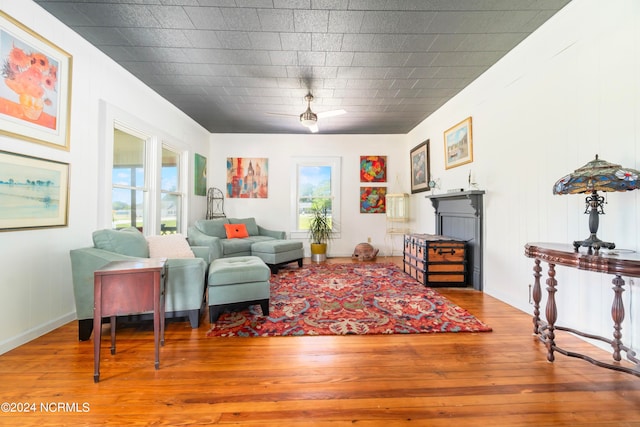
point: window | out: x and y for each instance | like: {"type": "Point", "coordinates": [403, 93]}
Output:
{"type": "Point", "coordinates": [170, 194]}
{"type": "Point", "coordinates": [128, 201]}
{"type": "Point", "coordinates": [142, 175]}
{"type": "Point", "coordinates": [317, 181]}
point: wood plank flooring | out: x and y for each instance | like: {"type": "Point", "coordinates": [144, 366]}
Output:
{"type": "Point", "coordinates": [500, 378]}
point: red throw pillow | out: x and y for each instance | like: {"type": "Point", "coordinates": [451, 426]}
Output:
{"type": "Point", "coordinates": [236, 231]}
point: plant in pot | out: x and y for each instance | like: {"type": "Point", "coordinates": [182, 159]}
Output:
{"type": "Point", "coordinates": [320, 232]}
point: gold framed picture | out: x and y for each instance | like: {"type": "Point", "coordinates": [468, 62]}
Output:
{"type": "Point", "coordinates": [34, 192]}
{"type": "Point", "coordinates": [35, 89]}
{"type": "Point", "coordinates": [458, 144]}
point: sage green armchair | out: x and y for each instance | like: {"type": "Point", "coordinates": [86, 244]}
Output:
{"type": "Point", "coordinates": [185, 284]}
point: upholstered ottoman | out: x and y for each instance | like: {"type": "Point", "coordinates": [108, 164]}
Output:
{"type": "Point", "coordinates": [237, 281]}
{"type": "Point", "coordinates": [276, 253]}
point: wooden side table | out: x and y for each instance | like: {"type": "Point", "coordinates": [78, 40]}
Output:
{"type": "Point", "coordinates": [620, 263]}
{"type": "Point", "coordinates": [128, 287]}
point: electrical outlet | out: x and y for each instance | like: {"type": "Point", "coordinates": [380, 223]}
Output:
{"type": "Point", "coordinates": [368, 239]}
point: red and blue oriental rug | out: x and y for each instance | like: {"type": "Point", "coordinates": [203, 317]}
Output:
{"type": "Point", "coordinates": [345, 299]}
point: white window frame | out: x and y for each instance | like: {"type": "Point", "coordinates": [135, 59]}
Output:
{"type": "Point", "coordinates": [112, 117]}
{"type": "Point", "coordinates": [180, 191]}
{"type": "Point", "coordinates": [335, 163]}
{"type": "Point", "coordinates": [147, 167]}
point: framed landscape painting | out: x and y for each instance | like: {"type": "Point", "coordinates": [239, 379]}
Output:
{"type": "Point", "coordinates": [34, 192]}
{"type": "Point", "coordinates": [458, 144]}
{"type": "Point", "coordinates": [420, 169]}
{"type": "Point", "coordinates": [35, 89]}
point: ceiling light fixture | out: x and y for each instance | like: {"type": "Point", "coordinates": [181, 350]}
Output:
{"type": "Point", "coordinates": [309, 119]}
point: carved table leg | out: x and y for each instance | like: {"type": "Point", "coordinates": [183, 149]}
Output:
{"type": "Point", "coordinates": [551, 312]}
{"type": "Point", "coordinates": [537, 296]}
{"type": "Point", "coordinates": [617, 313]}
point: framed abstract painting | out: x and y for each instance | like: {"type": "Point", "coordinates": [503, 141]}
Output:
{"type": "Point", "coordinates": [373, 168]}
{"type": "Point", "coordinates": [247, 178]}
{"type": "Point", "coordinates": [200, 175]}
{"type": "Point", "coordinates": [372, 199]}
{"type": "Point", "coordinates": [35, 89]}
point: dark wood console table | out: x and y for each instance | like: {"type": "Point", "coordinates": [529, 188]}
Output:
{"type": "Point", "coordinates": [618, 263]}
{"type": "Point", "coordinates": [128, 287]}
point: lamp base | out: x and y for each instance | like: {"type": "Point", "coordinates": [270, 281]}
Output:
{"type": "Point", "coordinates": [593, 243]}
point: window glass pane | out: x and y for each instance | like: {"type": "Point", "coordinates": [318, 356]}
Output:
{"type": "Point", "coordinates": [170, 170]}
{"type": "Point", "coordinates": [170, 204]}
{"type": "Point", "coordinates": [127, 208]}
{"type": "Point", "coordinates": [170, 213]}
{"type": "Point", "coordinates": [128, 159]}
{"type": "Point", "coordinates": [128, 179]}
{"type": "Point", "coordinates": [314, 191]}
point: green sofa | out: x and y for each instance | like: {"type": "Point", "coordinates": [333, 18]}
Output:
{"type": "Point", "coordinates": [269, 245]}
{"type": "Point", "coordinates": [186, 276]}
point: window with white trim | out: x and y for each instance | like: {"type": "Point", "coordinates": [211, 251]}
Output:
{"type": "Point", "coordinates": [317, 181]}
{"type": "Point", "coordinates": [171, 196]}
{"type": "Point", "coordinates": [129, 201]}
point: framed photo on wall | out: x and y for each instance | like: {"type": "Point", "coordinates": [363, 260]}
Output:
{"type": "Point", "coordinates": [420, 168]}
{"type": "Point", "coordinates": [458, 144]}
{"type": "Point", "coordinates": [35, 88]}
{"type": "Point", "coordinates": [34, 192]}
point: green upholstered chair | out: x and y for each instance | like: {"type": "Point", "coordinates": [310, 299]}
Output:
{"type": "Point", "coordinates": [185, 284]}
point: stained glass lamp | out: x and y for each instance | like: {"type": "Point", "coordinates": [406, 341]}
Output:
{"type": "Point", "coordinates": [597, 175]}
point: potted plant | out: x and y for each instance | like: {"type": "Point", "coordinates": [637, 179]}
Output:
{"type": "Point", "coordinates": [320, 231]}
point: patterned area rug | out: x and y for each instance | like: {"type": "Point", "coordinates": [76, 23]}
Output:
{"type": "Point", "coordinates": [344, 299]}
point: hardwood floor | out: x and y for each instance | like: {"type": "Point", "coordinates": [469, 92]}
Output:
{"type": "Point", "coordinates": [501, 378]}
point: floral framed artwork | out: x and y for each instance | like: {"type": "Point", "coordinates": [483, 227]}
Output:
{"type": "Point", "coordinates": [373, 168]}
{"type": "Point", "coordinates": [200, 175]}
{"type": "Point", "coordinates": [420, 167]}
{"type": "Point", "coordinates": [458, 144]}
{"type": "Point", "coordinates": [35, 89]}
{"type": "Point", "coordinates": [372, 199]}
{"type": "Point", "coordinates": [247, 178]}
{"type": "Point", "coordinates": [34, 192]}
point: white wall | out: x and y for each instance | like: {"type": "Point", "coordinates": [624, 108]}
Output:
{"type": "Point", "coordinates": [566, 93]}
{"type": "Point", "coordinates": [36, 274]}
{"type": "Point", "coordinates": [275, 212]}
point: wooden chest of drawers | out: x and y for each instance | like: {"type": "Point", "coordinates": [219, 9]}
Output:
{"type": "Point", "coordinates": [435, 260]}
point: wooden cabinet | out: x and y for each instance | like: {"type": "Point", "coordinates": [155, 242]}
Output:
{"type": "Point", "coordinates": [435, 260]}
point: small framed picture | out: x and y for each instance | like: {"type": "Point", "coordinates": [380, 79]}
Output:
{"type": "Point", "coordinates": [458, 144]}
{"type": "Point", "coordinates": [373, 200]}
{"type": "Point", "coordinates": [420, 169]}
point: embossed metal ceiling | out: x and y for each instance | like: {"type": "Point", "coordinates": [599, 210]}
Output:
{"type": "Point", "coordinates": [244, 66]}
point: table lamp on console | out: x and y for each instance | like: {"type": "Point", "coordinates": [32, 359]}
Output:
{"type": "Point", "coordinates": [597, 175]}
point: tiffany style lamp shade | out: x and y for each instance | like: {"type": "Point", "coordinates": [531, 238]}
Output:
{"type": "Point", "coordinates": [597, 175]}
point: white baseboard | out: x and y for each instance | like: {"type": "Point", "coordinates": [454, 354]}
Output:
{"type": "Point", "coordinates": [34, 333]}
